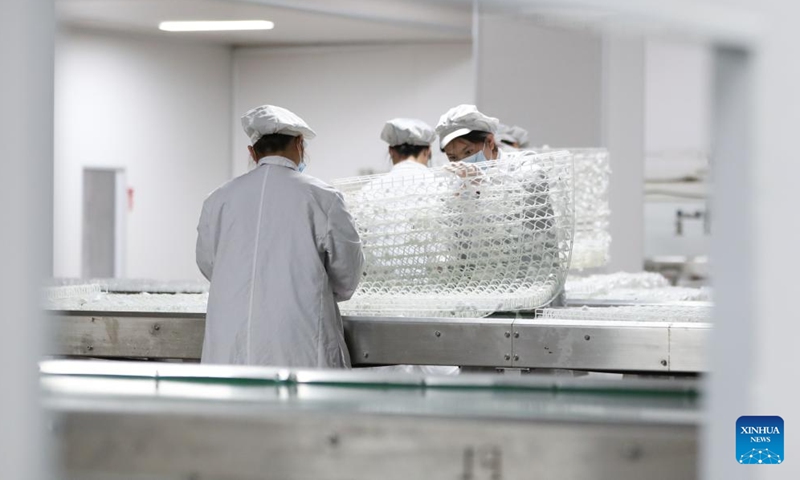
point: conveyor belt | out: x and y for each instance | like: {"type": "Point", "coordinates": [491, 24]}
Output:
{"type": "Point", "coordinates": [595, 302]}
{"type": "Point", "coordinates": [622, 346]}
{"type": "Point", "coordinates": [116, 420]}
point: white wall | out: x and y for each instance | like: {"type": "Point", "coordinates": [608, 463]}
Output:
{"type": "Point", "coordinates": [346, 94]}
{"type": "Point", "coordinates": [546, 80]}
{"type": "Point", "coordinates": [573, 88]}
{"type": "Point", "coordinates": [678, 96]}
{"type": "Point", "coordinates": [161, 110]}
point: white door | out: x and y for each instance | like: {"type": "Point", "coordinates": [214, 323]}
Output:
{"type": "Point", "coordinates": [104, 219]}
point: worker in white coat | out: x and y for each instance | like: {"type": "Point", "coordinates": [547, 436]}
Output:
{"type": "Point", "coordinates": [512, 137]}
{"type": "Point", "coordinates": [409, 142]}
{"type": "Point", "coordinates": [280, 250]}
{"type": "Point", "coordinates": [469, 138]}
{"type": "Point", "coordinates": [467, 135]}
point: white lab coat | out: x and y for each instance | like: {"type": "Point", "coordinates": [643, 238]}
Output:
{"type": "Point", "coordinates": [407, 167]}
{"type": "Point", "coordinates": [280, 250]}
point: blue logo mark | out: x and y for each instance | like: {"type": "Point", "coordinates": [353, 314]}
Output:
{"type": "Point", "coordinates": [759, 440]}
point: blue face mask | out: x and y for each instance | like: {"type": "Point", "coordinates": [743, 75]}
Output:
{"type": "Point", "coordinates": [477, 157]}
{"type": "Point", "coordinates": [302, 165]}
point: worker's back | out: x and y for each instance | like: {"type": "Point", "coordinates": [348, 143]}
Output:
{"type": "Point", "coordinates": [280, 250]}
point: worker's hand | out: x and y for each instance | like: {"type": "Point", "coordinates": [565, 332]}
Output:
{"type": "Point", "coordinates": [463, 170]}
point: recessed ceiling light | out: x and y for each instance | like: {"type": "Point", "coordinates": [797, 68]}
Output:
{"type": "Point", "coordinates": [216, 26]}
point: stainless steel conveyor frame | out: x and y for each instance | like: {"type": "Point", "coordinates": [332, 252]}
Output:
{"type": "Point", "coordinates": [619, 346]}
{"type": "Point", "coordinates": [148, 420]}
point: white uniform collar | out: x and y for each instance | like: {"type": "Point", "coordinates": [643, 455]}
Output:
{"type": "Point", "coordinates": [409, 163]}
{"type": "Point", "coordinates": [277, 160]}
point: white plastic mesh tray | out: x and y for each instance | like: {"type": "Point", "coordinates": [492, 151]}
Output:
{"type": "Point", "coordinates": [631, 287]}
{"type": "Point", "coordinates": [143, 302]}
{"type": "Point", "coordinates": [592, 211]}
{"type": "Point", "coordinates": [594, 285]}
{"type": "Point", "coordinates": [497, 236]}
{"type": "Point", "coordinates": [654, 295]}
{"type": "Point", "coordinates": [643, 313]}
{"type": "Point", "coordinates": [65, 292]}
{"type": "Point", "coordinates": [138, 285]}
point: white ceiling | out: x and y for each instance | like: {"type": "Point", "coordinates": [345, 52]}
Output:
{"type": "Point", "coordinates": [297, 22]}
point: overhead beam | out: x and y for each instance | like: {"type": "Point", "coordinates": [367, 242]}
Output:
{"type": "Point", "coordinates": [454, 19]}
{"type": "Point", "coordinates": [724, 25]}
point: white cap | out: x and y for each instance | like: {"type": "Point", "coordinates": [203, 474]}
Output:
{"type": "Point", "coordinates": [269, 120]}
{"type": "Point", "coordinates": [461, 120]}
{"type": "Point", "coordinates": [513, 134]}
{"type": "Point", "coordinates": [409, 131]}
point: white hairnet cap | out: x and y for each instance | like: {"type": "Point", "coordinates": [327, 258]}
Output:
{"type": "Point", "coordinates": [513, 134]}
{"type": "Point", "coordinates": [503, 135]}
{"type": "Point", "coordinates": [461, 120]}
{"type": "Point", "coordinates": [409, 131]}
{"type": "Point", "coordinates": [269, 120]}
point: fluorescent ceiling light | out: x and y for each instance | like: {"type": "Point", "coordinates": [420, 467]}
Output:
{"type": "Point", "coordinates": [216, 26]}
